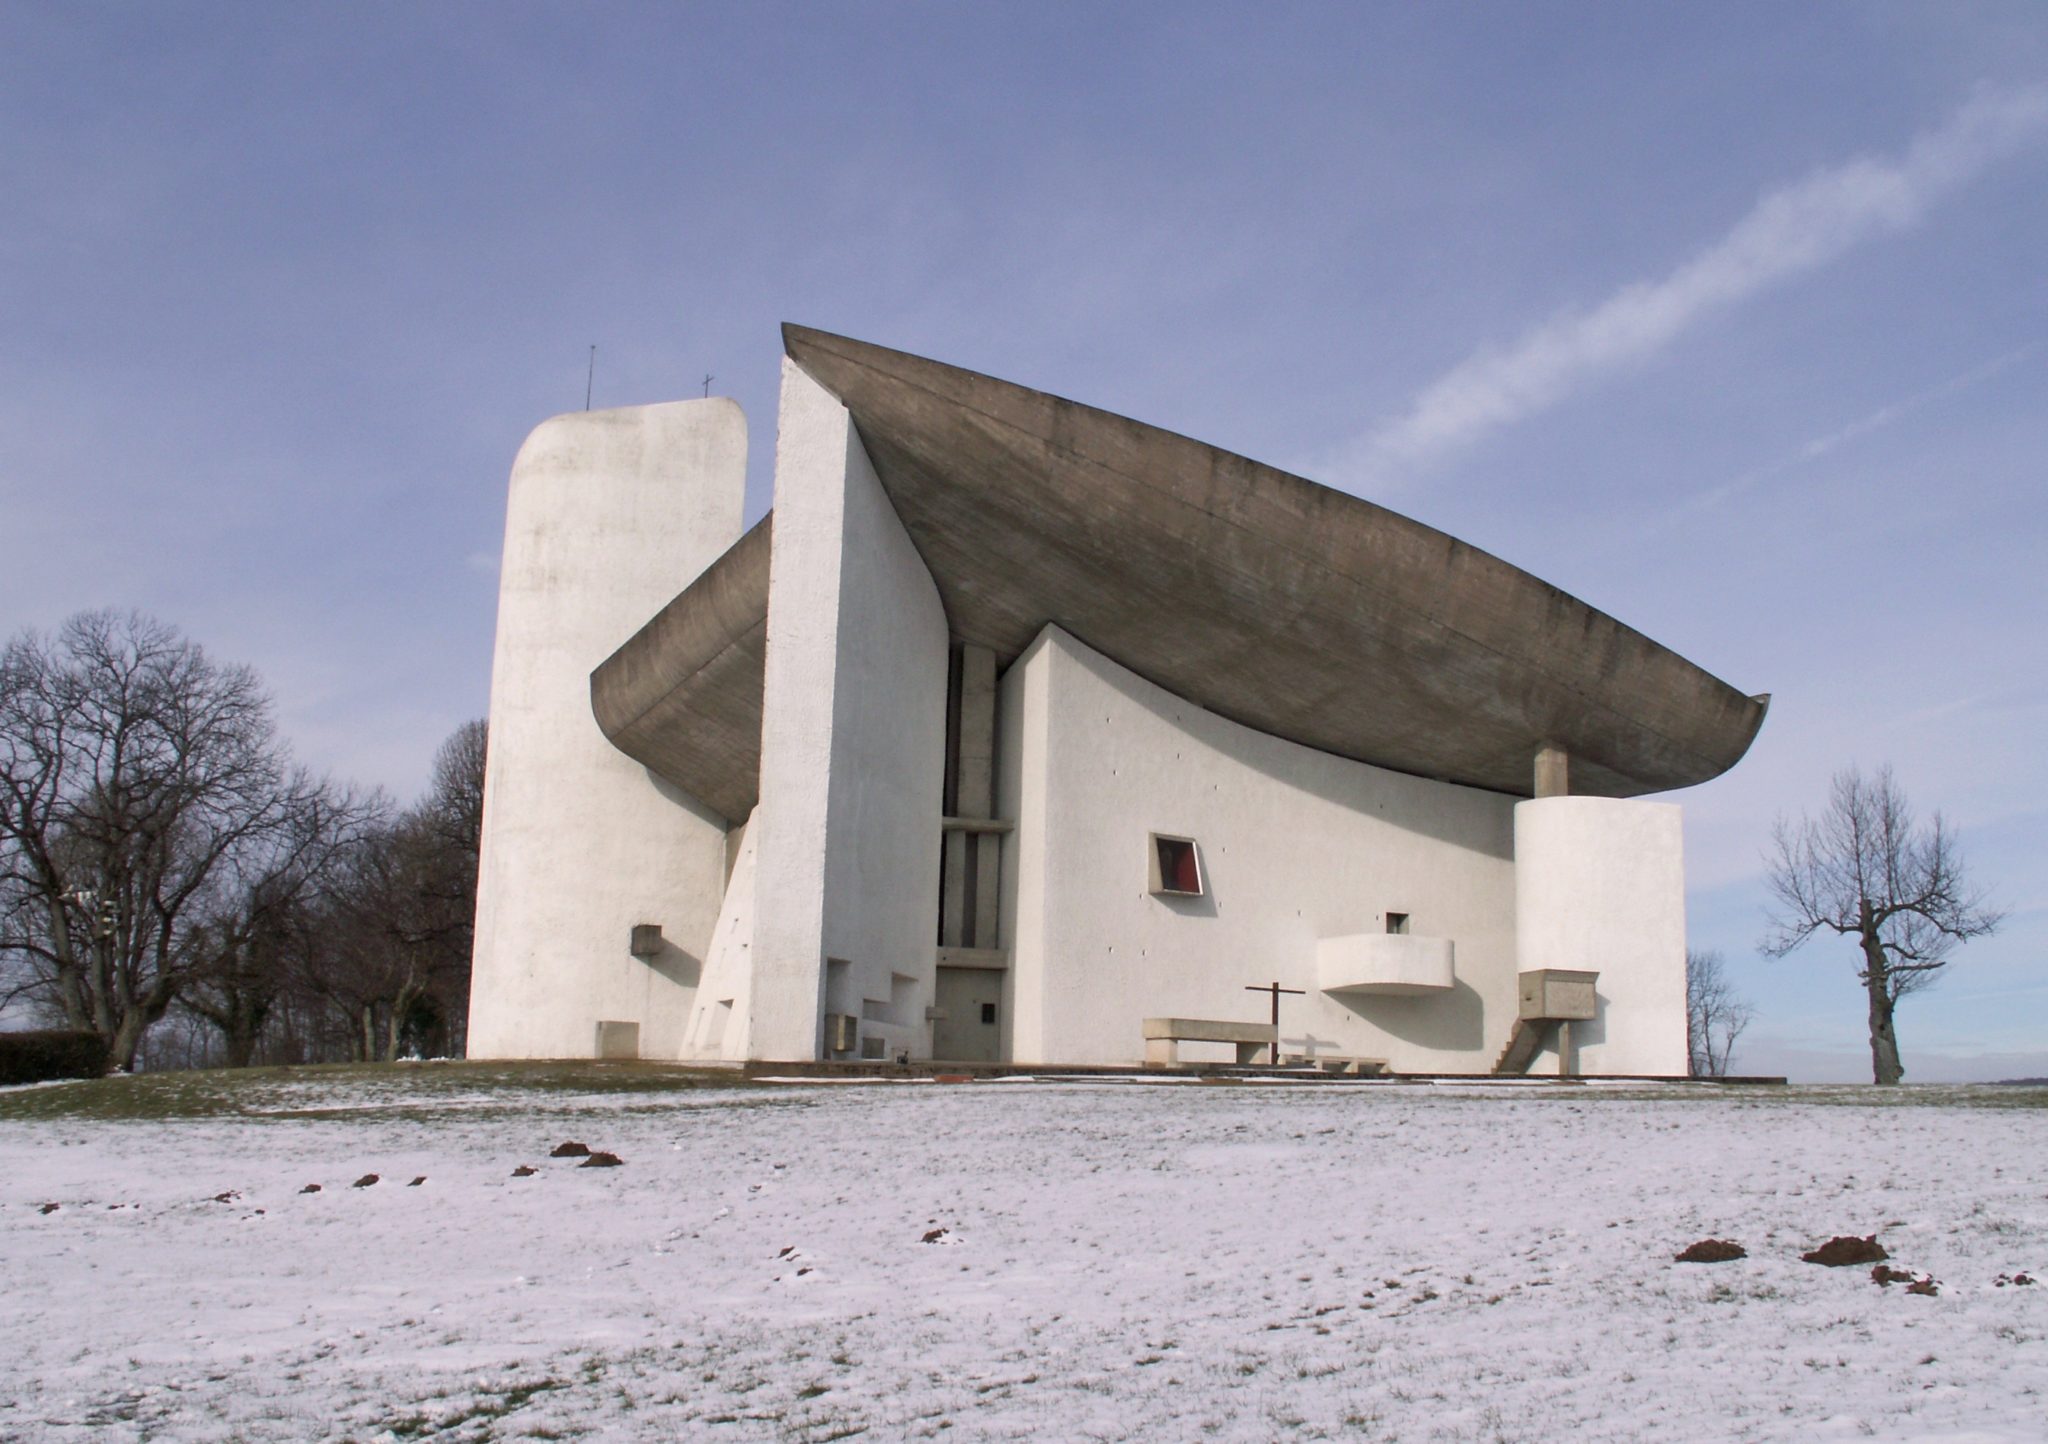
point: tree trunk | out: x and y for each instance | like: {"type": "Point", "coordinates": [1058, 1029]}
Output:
{"type": "Point", "coordinates": [1884, 1043]}
{"type": "Point", "coordinates": [126, 1040]}
{"type": "Point", "coordinates": [240, 1035]}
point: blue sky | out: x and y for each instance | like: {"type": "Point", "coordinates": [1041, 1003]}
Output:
{"type": "Point", "coordinates": [1731, 319]}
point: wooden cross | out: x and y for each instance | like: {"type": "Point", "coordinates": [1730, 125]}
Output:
{"type": "Point", "coordinates": [1276, 990]}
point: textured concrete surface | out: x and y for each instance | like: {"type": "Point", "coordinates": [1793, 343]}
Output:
{"type": "Point", "coordinates": [1286, 606]}
{"type": "Point", "coordinates": [683, 694]}
{"type": "Point", "coordinates": [609, 513]}
{"type": "Point", "coordinates": [1600, 887]}
{"type": "Point", "coordinates": [852, 755]}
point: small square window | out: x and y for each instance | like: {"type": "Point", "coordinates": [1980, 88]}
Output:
{"type": "Point", "coordinates": [1397, 922]}
{"type": "Point", "coordinates": [1176, 866]}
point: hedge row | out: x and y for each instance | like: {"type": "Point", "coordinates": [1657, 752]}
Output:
{"type": "Point", "coordinates": [39, 1057]}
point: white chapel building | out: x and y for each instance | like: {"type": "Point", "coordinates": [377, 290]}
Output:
{"type": "Point", "coordinates": [1022, 733]}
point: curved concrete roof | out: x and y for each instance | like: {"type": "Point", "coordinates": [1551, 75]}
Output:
{"type": "Point", "coordinates": [683, 695]}
{"type": "Point", "coordinates": [1281, 604]}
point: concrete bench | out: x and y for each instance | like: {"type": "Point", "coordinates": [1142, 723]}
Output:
{"type": "Point", "coordinates": [1255, 1042]}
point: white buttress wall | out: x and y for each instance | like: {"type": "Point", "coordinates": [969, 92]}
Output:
{"type": "Point", "coordinates": [611, 513]}
{"type": "Point", "coordinates": [1296, 845]}
{"type": "Point", "coordinates": [1600, 886]}
{"type": "Point", "coordinates": [1023, 795]}
{"type": "Point", "coordinates": [852, 750]}
{"type": "Point", "coordinates": [715, 1029]}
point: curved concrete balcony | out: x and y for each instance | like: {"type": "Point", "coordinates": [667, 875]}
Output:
{"type": "Point", "coordinates": [1390, 964]}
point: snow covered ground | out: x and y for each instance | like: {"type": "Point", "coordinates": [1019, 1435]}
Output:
{"type": "Point", "coordinates": [1054, 1261]}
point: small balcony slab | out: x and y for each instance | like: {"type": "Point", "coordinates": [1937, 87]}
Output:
{"type": "Point", "coordinates": [1399, 965]}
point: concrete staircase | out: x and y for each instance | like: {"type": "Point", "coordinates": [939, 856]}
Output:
{"type": "Point", "coordinates": [1524, 1043]}
{"type": "Point", "coordinates": [1550, 998]}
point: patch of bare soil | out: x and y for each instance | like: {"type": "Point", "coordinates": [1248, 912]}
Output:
{"type": "Point", "coordinates": [571, 1149]}
{"type": "Point", "coordinates": [1713, 1250]}
{"type": "Point", "coordinates": [601, 1159]}
{"type": "Point", "coordinates": [1843, 1251]}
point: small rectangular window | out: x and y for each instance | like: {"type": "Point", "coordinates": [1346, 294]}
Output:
{"type": "Point", "coordinates": [1176, 866]}
{"type": "Point", "coordinates": [988, 1013]}
{"type": "Point", "coordinates": [1397, 922]}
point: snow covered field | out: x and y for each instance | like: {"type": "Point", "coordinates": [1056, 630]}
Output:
{"type": "Point", "coordinates": [1053, 1261]}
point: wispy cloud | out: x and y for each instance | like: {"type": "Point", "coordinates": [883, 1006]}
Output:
{"type": "Point", "coordinates": [1794, 229]}
{"type": "Point", "coordinates": [1885, 415]}
{"type": "Point", "coordinates": [1856, 430]}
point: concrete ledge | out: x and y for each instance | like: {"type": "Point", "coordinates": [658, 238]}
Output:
{"type": "Point", "coordinates": [1391, 964]}
{"type": "Point", "coordinates": [993, 960]}
{"type": "Point", "coordinates": [1255, 1042]}
{"type": "Point", "coordinates": [1209, 1030]}
{"type": "Point", "coordinates": [1185, 1072]}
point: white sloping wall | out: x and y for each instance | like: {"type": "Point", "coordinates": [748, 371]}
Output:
{"type": "Point", "coordinates": [715, 1031]}
{"type": "Point", "coordinates": [852, 751]}
{"type": "Point", "coordinates": [1296, 845]}
{"type": "Point", "coordinates": [611, 513]}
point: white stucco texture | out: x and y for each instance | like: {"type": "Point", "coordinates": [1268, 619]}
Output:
{"type": "Point", "coordinates": [611, 513]}
{"type": "Point", "coordinates": [1297, 846]}
{"type": "Point", "coordinates": [1600, 887]}
{"type": "Point", "coordinates": [852, 751]}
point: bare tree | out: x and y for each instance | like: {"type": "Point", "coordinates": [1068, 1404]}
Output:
{"type": "Point", "coordinates": [399, 924]}
{"type": "Point", "coordinates": [143, 787]}
{"type": "Point", "coordinates": [1865, 869]}
{"type": "Point", "coordinates": [454, 807]}
{"type": "Point", "coordinates": [455, 798]}
{"type": "Point", "coordinates": [1715, 1015]}
{"type": "Point", "coordinates": [255, 944]}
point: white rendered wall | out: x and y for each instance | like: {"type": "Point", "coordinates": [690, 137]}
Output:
{"type": "Point", "coordinates": [852, 749]}
{"type": "Point", "coordinates": [1296, 846]}
{"type": "Point", "coordinates": [1600, 886]}
{"type": "Point", "coordinates": [723, 997]}
{"type": "Point", "coordinates": [611, 513]}
{"type": "Point", "coordinates": [1023, 795]}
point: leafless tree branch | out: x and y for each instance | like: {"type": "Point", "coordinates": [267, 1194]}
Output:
{"type": "Point", "coordinates": [1865, 869]}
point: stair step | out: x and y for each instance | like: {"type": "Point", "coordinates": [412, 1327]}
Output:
{"type": "Point", "coordinates": [1524, 1043]}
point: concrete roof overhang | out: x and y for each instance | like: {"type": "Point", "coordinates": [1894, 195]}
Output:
{"type": "Point", "coordinates": [683, 695]}
{"type": "Point", "coordinates": [1281, 604]}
